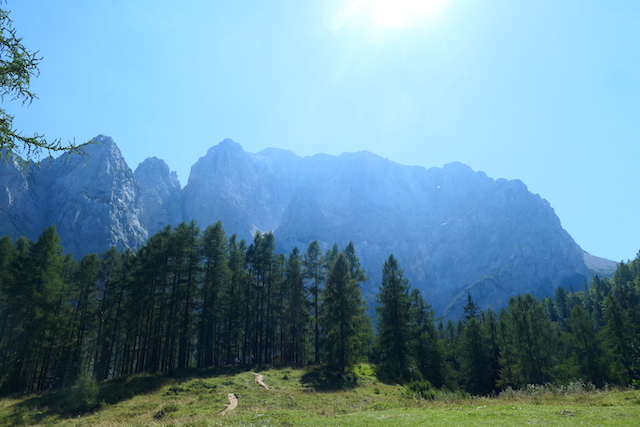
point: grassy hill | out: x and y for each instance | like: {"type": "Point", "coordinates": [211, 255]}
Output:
{"type": "Point", "coordinates": [307, 398]}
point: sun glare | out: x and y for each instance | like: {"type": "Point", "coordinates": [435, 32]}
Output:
{"type": "Point", "coordinates": [404, 13]}
{"type": "Point", "coordinates": [398, 14]}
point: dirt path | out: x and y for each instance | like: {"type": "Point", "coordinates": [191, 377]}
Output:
{"type": "Point", "coordinates": [261, 383]}
{"type": "Point", "coordinates": [233, 402]}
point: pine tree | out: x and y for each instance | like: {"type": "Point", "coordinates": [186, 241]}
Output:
{"type": "Point", "coordinates": [471, 310]}
{"type": "Point", "coordinates": [185, 248]}
{"type": "Point", "coordinates": [532, 339]}
{"type": "Point", "coordinates": [211, 312]}
{"type": "Point", "coordinates": [8, 308]}
{"type": "Point", "coordinates": [42, 286]}
{"type": "Point", "coordinates": [84, 318]}
{"type": "Point", "coordinates": [114, 276]}
{"type": "Point", "coordinates": [427, 349]}
{"type": "Point", "coordinates": [489, 327]}
{"type": "Point", "coordinates": [621, 341]}
{"type": "Point", "coordinates": [355, 269]}
{"type": "Point", "coordinates": [394, 324]}
{"type": "Point", "coordinates": [314, 272]}
{"type": "Point", "coordinates": [296, 311]}
{"type": "Point", "coordinates": [343, 316]}
{"type": "Point", "coordinates": [508, 359]}
{"type": "Point", "coordinates": [474, 359]}
{"type": "Point", "coordinates": [330, 257]}
{"type": "Point", "coordinates": [588, 354]}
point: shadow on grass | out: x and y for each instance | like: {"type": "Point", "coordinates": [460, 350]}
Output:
{"type": "Point", "coordinates": [326, 378]}
{"type": "Point", "coordinates": [74, 401]}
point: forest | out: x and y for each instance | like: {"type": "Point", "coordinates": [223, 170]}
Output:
{"type": "Point", "coordinates": [193, 299]}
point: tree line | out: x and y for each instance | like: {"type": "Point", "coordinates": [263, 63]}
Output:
{"type": "Point", "coordinates": [193, 299]}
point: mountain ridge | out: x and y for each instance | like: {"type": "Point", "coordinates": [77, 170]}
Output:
{"type": "Point", "coordinates": [454, 230]}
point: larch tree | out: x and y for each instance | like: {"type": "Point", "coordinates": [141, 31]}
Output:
{"type": "Point", "coordinates": [18, 65]}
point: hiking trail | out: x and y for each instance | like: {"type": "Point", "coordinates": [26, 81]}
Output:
{"type": "Point", "coordinates": [261, 383]}
{"type": "Point", "coordinates": [233, 403]}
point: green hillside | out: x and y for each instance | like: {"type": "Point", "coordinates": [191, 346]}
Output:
{"type": "Point", "coordinates": [307, 398]}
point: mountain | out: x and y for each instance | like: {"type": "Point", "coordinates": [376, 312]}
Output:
{"type": "Point", "coordinates": [93, 199]}
{"type": "Point", "coordinates": [454, 231]}
{"type": "Point", "coordinates": [161, 194]}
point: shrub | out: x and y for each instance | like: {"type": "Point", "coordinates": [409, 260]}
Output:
{"type": "Point", "coordinates": [84, 396]}
{"type": "Point", "coordinates": [422, 389]}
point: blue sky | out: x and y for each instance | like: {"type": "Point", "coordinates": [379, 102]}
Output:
{"type": "Point", "coordinates": [544, 91]}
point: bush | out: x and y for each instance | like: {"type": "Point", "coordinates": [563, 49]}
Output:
{"type": "Point", "coordinates": [422, 389]}
{"type": "Point", "coordinates": [84, 396]}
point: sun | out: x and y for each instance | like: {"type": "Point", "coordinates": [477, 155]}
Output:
{"type": "Point", "coordinates": [398, 14]}
{"type": "Point", "coordinates": [404, 13]}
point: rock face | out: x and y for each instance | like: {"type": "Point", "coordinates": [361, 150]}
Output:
{"type": "Point", "coordinates": [239, 189]}
{"type": "Point", "coordinates": [20, 213]}
{"type": "Point", "coordinates": [161, 194]}
{"type": "Point", "coordinates": [93, 199]}
{"type": "Point", "coordinates": [454, 231]}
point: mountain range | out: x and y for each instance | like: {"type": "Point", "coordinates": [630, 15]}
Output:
{"type": "Point", "coordinates": [454, 230]}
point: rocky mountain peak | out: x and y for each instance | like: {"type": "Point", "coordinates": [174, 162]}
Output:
{"type": "Point", "coordinates": [454, 230]}
{"type": "Point", "coordinates": [161, 194]}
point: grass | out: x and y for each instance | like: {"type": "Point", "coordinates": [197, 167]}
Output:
{"type": "Point", "coordinates": [304, 398]}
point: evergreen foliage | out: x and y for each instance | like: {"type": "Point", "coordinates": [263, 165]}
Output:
{"type": "Point", "coordinates": [394, 323]}
{"type": "Point", "coordinates": [344, 321]}
{"type": "Point", "coordinates": [204, 299]}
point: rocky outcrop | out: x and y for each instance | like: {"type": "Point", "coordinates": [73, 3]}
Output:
{"type": "Point", "coordinates": [161, 194]}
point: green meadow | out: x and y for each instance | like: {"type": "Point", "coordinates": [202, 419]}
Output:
{"type": "Point", "coordinates": [304, 398]}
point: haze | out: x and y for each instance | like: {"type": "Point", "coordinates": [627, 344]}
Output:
{"type": "Point", "coordinates": [544, 91]}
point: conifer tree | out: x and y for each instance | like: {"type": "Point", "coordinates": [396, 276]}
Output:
{"type": "Point", "coordinates": [427, 350]}
{"type": "Point", "coordinates": [114, 275]}
{"type": "Point", "coordinates": [394, 324]}
{"type": "Point", "coordinates": [296, 314]}
{"type": "Point", "coordinates": [508, 359]}
{"type": "Point", "coordinates": [355, 269]}
{"type": "Point", "coordinates": [474, 359]}
{"type": "Point", "coordinates": [588, 354]}
{"type": "Point", "coordinates": [8, 254]}
{"type": "Point", "coordinates": [314, 272]}
{"type": "Point", "coordinates": [343, 316]}
{"type": "Point", "coordinates": [489, 327]}
{"type": "Point", "coordinates": [532, 338]}
{"type": "Point", "coordinates": [330, 256]}
{"type": "Point", "coordinates": [215, 279]}
{"type": "Point", "coordinates": [471, 310]}
{"type": "Point", "coordinates": [84, 317]}
{"type": "Point", "coordinates": [239, 299]}
{"type": "Point", "coordinates": [42, 285]}
{"type": "Point", "coordinates": [185, 248]}
{"type": "Point", "coordinates": [620, 340]}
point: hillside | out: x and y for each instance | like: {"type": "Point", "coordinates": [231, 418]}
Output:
{"type": "Point", "coordinates": [198, 399]}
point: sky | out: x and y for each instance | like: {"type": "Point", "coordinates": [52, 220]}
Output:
{"type": "Point", "coordinates": [544, 91]}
